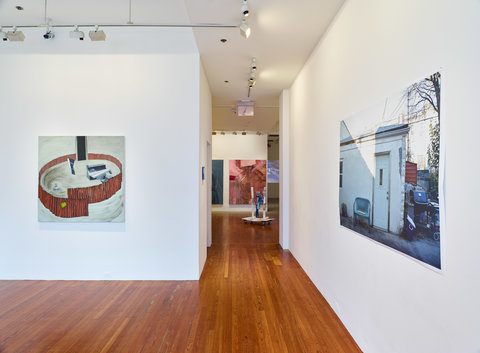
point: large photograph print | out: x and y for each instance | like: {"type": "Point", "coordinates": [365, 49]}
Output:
{"type": "Point", "coordinates": [80, 178]}
{"type": "Point", "coordinates": [243, 175]}
{"type": "Point", "coordinates": [389, 171]}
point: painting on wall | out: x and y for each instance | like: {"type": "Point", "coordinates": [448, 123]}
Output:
{"type": "Point", "coordinates": [243, 175]}
{"type": "Point", "coordinates": [389, 172]}
{"type": "Point", "coordinates": [273, 171]}
{"type": "Point", "coordinates": [80, 178]}
{"type": "Point", "coordinates": [217, 182]}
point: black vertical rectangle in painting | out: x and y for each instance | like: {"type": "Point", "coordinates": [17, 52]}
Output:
{"type": "Point", "coordinates": [81, 148]}
{"type": "Point", "coordinates": [217, 182]}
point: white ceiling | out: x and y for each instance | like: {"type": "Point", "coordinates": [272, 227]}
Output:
{"type": "Point", "coordinates": [284, 32]}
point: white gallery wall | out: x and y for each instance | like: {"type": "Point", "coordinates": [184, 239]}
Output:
{"type": "Point", "coordinates": [205, 202]}
{"type": "Point", "coordinates": [387, 301]}
{"type": "Point", "coordinates": [273, 150]}
{"type": "Point", "coordinates": [284, 185]}
{"type": "Point", "coordinates": [230, 147]}
{"type": "Point", "coordinates": [152, 100]}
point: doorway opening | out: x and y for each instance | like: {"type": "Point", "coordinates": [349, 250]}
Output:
{"type": "Point", "coordinates": [273, 172]}
{"type": "Point", "coordinates": [245, 188]}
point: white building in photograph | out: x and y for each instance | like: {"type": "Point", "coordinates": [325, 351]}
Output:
{"type": "Point", "coordinates": [372, 166]}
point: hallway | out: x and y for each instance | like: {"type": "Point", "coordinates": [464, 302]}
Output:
{"type": "Point", "coordinates": [266, 296]}
{"type": "Point", "coordinates": [253, 297]}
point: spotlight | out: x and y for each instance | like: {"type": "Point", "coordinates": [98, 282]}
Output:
{"type": "Point", "coordinates": [245, 11]}
{"type": "Point", "coordinates": [76, 34]}
{"type": "Point", "coordinates": [222, 133]}
{"type": "Point", "coordinates": [245, 29]}
{"type": "Point", "coordinates": [214, 132]}
{"type": "Point", "coordinates": [49, 34]}
{"type": "Point", "coordinates": [15, 36]}
{"type": "Point", "coordinates": [97, 35]}
{"type": "Point", "coordinates": [234, 133]}
{"type": "Point", "coordinates": [253, 78]}
{"type": "Point", "coordinates": [259, 133]}
{"type": "Point", "coordinates": [3, 35]}
{"type": "Point", "coordinates": [253, 75]}
{"type": "Point", "coordinates": [244, 133]}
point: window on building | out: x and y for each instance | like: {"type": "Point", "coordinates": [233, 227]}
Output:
{"type": "Point", "coordinates": [341, 172]}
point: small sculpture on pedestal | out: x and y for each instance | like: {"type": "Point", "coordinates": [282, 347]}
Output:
{"type": "Point", "coordinates": [259, 200]}
{"type": "Point", "coordinates": [259, 203]}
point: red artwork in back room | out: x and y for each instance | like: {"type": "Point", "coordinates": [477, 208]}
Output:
{"type": "Point", "coordinates": [243, 175]}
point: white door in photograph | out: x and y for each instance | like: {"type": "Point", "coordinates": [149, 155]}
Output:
{"type": "Point", "coordinates": [381, 193]}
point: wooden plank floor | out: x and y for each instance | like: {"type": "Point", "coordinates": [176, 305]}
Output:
{"type": "Point", "coordinates": [252, 297]}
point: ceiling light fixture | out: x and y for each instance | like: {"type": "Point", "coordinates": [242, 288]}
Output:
{"type": "Point", "coordinates": [222, 133]}
{"type": "Point", "coordinates": [97, 35]}
{"type": "Point", "coordinates": [252, 80]}
{"type": "Point", "coordinates": [234, 133]}
{"type": "Point", "coordinates": [245, 11]}
{"type": "Point", "coordinates": [49, 34]}
{"type": "Point", "coordinates": [15, 36]}
{"type": "Point", "coordinates": [76, 34]}
{"type": "Point", "coordinates": [245, 30]}
{"type": "Point", "coordinates": [244, 133]}
{"type": "Point", "coordinates": [254, 64]}
{"type": "Point", "coordinates": [3, 35]}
